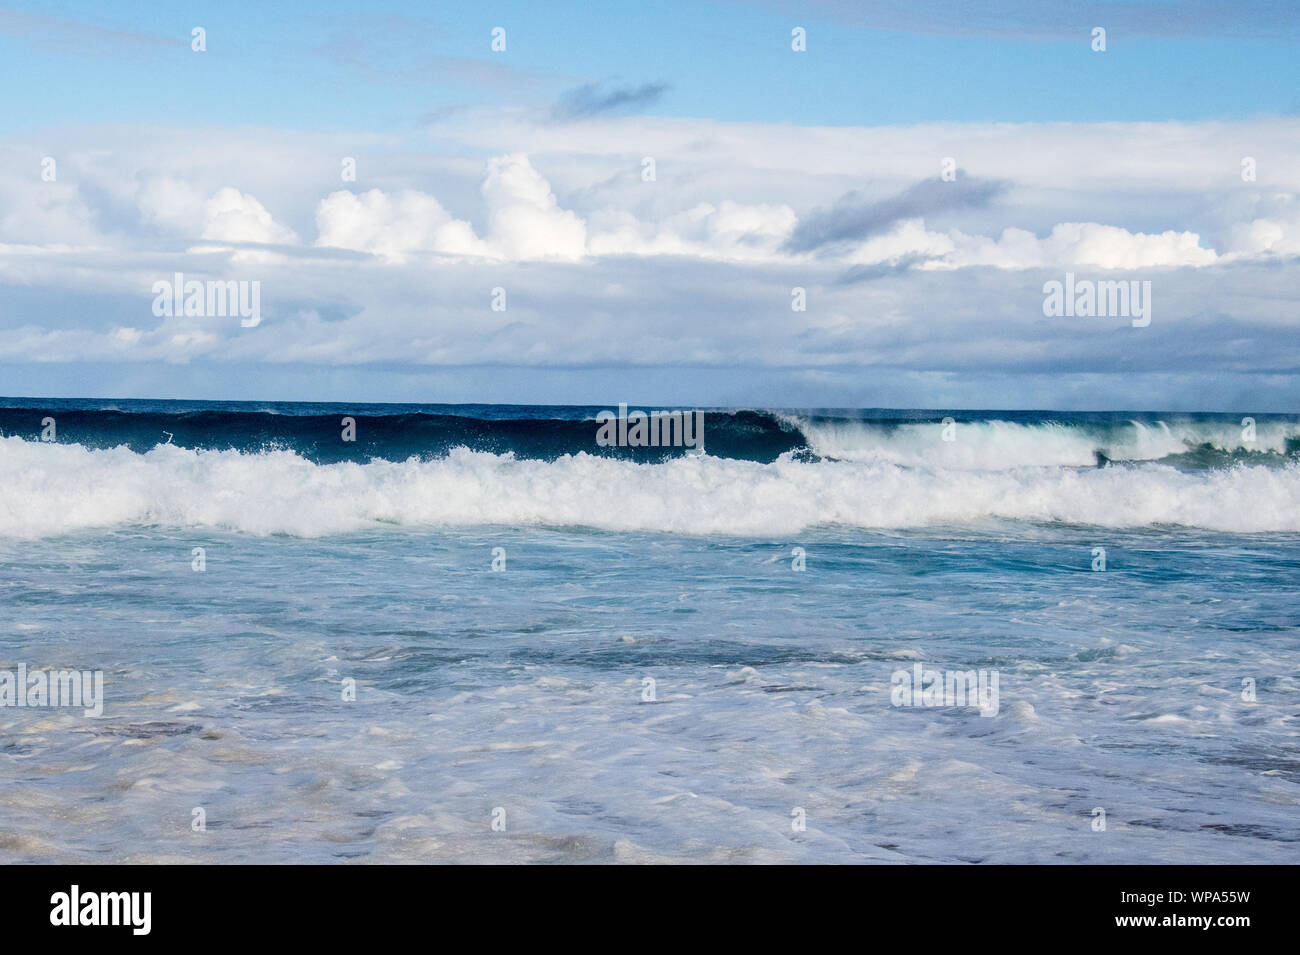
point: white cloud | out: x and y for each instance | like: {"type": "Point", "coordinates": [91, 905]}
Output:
{"type": "Point", "coordinates": [729, 230]}
{"type": "Point", "coordinates": [393, 226]}
{"type": "Point", "coordinates": [1084, 244]}
{"type": "Point", "coordinates": [232, 216]}
{"type": "Point", "coordinates": [524, 219]}
{"type": "Point", "coordinates": [1275, 234]}
{"type": "Point", "coordinates": [175, 341]}
{"type": "Point", "coordinates": [46, 213]}
{"type": "Point", "coordinates": [605, 269]}
{"type": "Point", "coordinates": [1068, 244]}
{"type": "Point", "coordinates": [172, 204]}
{"type": "Point", "coordinates": [908, 238]}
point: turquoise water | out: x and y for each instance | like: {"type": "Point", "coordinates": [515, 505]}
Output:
{"type": "Point", "coordinates": [522, 689]}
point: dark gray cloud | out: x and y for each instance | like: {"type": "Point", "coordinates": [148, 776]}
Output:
{"type": "Point", "coordinates": [598, 99]}
{"type": "Point", "coordinates": [854, 217]}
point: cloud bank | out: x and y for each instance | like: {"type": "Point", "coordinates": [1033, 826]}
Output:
{"type": "Point", "coordinates": [689, 260]}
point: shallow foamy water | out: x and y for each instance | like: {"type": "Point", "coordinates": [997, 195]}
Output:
{"type": "Point", "coordinates": [522, 690]}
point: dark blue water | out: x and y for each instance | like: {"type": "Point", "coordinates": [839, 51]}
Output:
{"type": "Point", "coordinates": [396, 432]}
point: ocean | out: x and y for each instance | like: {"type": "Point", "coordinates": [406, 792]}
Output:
{"type": "Point", "coordinates": [475, 634]}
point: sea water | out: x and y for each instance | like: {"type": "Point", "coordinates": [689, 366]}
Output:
{"type": "Point", "coordinates": [473, 634]}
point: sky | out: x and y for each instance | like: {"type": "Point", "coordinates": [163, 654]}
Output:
{"type": "Point", "coordinates": [827, 204]}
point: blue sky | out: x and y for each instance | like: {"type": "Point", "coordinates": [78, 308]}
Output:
{"type": "Point", "coordinates": [328, 65]}
{"type": "Point", "coordinates": [522, 170]}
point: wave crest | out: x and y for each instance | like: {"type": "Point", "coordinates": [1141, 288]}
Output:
{"type": "Point", "coordinates": [51, 489]}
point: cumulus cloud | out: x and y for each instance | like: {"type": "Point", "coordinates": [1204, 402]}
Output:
{"type": "Point", "coordinates": [393, 226]}
{"type": "Point", "coordinates": [1068, 244]}
{"type": "Point", "coordinates": [232, 216]}
{"type": "Point", "coordinates": [692, 269]}
{"type": "Point", "coordinates": [1275, 234]}
{"type": "Point", "coordinates": [1086, 243]}
{"type": "Point", "coordinates": [728, 230]}
{"type": "Point", "coordinates": [1263, 237]}
{"type": "Point", "coordinates": [525, 220]}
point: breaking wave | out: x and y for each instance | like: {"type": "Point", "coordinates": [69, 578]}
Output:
{"type": "Point", "coordinates": [855, 479]}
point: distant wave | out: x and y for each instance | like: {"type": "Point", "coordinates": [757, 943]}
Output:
{"type": "Point", "coordinates": [747, 435]}
{"type": "Point", "coordinates": [51, 489]}
{"type": "Point", "coordinates": [981, 442]}
{"type": "Point", "coordinates": [996, 444]}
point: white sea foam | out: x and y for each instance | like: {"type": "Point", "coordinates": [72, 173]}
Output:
{"type": "Point", "coordinates": [48, 489]}
{"type": "Point", "coordinates": [992, 445]}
